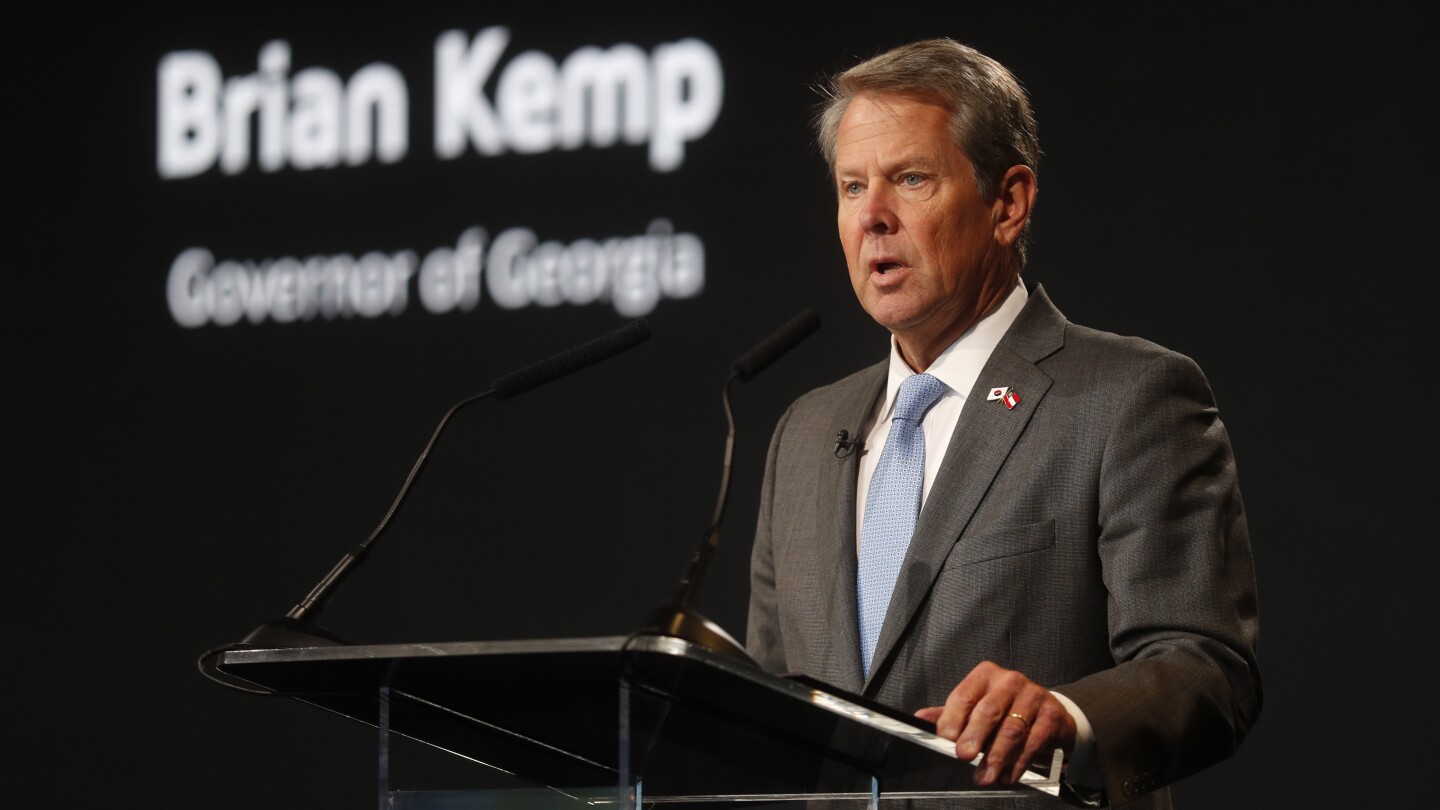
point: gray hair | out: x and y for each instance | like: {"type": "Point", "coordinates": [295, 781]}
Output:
{"type": "Point", "coordinates": [990, 117]}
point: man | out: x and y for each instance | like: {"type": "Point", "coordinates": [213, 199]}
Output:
{"type": "Point", "coordinates": [1044, 547]}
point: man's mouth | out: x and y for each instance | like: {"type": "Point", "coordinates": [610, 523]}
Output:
{"type": "Point", "coordinates": [885, 267]}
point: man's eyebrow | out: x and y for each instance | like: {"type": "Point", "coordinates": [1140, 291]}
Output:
{"type": "Point", "coordinates": [908, 161]}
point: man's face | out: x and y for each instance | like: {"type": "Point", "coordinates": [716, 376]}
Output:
{"type": "Point", "coordinates": [919, 240]}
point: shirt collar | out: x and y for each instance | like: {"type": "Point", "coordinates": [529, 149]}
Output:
{"type": "Point", "coordinates": [959, 366]}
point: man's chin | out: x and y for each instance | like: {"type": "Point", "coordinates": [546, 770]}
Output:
{"type": "Point", "coordinates": [898, 313]}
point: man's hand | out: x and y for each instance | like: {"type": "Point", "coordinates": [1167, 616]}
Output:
{"type": "Point", "coordinates": [981, 715]}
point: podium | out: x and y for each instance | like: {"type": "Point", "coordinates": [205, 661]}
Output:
{"type": "Point", "coordinates": [622, 720]}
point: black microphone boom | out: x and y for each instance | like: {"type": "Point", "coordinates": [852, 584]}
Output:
{"type": "Point", "coordinates": [786, 338]}
{"type": "Point", "coordinates": [296, 628]}
{"type": "Point", "coordinates": [604, 347]}
{"type": "Point", "coordinates": [680, 619]}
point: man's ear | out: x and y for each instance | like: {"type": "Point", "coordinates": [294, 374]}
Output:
{"type": "Point", "coordinates": [1014, 200]}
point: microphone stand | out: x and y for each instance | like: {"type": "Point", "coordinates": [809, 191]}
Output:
{"type": "Point", "coordinates": [297, 628]}
{"type": "Point", "coordinates": [679, 618]}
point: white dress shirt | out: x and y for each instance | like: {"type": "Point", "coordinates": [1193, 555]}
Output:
{"type": "Point", "coordinates": [958, 367]}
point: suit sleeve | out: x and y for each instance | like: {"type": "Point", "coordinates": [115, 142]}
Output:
{"type": "Point", "coordinates": [1182, 611]}
{"type": "Point", "coordinates": [762, 633]}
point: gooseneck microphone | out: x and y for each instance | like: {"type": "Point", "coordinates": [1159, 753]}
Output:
{"type": "Point", "coordinates": [296, 628]}
{"type": "Point", "coordinates": [772, 348]}
{"type": "Point", "coordinates": [571, 360]}
{"type": "Point", "coordinates": [679, 618]}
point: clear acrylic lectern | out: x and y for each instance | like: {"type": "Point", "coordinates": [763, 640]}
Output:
{"type": "Point", "coordinates": [643, 719]}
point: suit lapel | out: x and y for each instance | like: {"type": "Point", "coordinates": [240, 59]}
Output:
{"type": "Point", "coordinates": [983, 438]}
{"type": "Point", "coordinates": [836, 499]}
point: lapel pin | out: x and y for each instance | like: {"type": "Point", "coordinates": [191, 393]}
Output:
{"type": "Point", "coordinates": [1005, 394]}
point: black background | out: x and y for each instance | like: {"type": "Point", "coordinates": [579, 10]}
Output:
{"type": "Point", "coordinates": [1245, 185]}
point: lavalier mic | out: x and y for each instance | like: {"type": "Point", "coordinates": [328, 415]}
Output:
{"type": "Point", "coordinates": [844, 446]}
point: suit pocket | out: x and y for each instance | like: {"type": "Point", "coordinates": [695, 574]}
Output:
{"type": "Point", "coordinates": [994, 544]}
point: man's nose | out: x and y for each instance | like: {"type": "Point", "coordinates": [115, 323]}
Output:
{"type": "Point", "coordinates": [877, 212]}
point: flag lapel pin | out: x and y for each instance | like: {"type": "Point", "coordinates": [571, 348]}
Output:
{"type": "Point", "coordinates": [1005, 394]}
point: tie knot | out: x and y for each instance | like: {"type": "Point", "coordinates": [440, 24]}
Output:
{"type": "Point", "coordinates": [916, 396]}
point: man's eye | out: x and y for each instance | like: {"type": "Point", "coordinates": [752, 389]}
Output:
{"type": "Point", "coordinates": [912, 179]}
{"type": "Point", "coordinates": [852, 188]}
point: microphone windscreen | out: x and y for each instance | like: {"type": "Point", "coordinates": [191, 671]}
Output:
{"type": "Point", "coordinates": [770, 350]}
{"type": "Point", "coordinates": [604, 347]}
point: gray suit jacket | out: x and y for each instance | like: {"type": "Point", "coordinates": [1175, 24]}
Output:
{"type": "Point", "coordinates": [1092, 538]}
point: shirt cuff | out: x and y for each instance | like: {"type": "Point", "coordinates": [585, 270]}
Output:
{"type": "Point", "coordinates": [1084, 765]}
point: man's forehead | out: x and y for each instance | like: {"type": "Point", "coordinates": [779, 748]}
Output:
{"type": "Point", "coordinates": [896, 127]}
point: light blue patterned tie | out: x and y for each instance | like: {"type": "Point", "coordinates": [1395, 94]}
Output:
{"type": "Point", "coordinates": [892, 505]}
